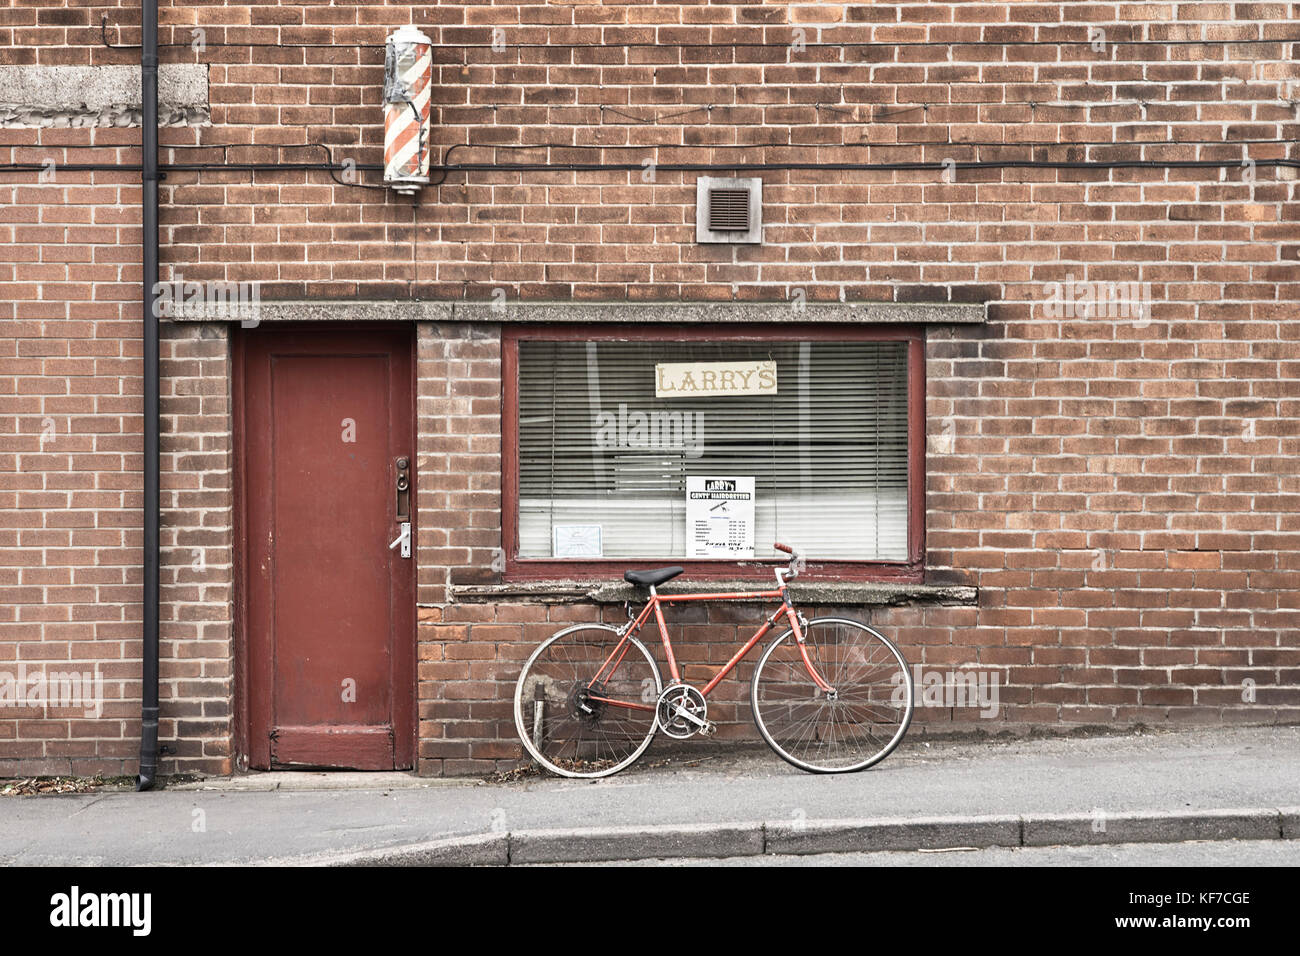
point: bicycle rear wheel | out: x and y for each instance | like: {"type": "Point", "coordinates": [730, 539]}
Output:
{"type": "Point", "coordinates": [852, 727]}
{"type": "Point", "coordinates": [585, 701]}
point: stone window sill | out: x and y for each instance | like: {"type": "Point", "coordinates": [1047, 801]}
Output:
{"type": "Point", "coordinates": [839, 594]}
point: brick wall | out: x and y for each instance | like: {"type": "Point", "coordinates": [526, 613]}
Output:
{"type": "Point", "coordinates": [1122, 490]}
{"type": "Point", "coordinates": [861, 89]}
{"type": "Point", "coordinates": [196, 673]}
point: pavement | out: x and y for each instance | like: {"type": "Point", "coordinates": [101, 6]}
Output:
{"type": "Point", "coordinates": [1094, 791]}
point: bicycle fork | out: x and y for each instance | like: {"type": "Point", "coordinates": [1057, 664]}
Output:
{"type": "Point", "coordinates": [803, 650]}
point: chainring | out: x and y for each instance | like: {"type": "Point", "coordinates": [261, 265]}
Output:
{"type": "Point", "coordinates": [668, 711]}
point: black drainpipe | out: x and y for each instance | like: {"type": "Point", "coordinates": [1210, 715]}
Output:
{"type": "Point", "coordinates": [149, 220]}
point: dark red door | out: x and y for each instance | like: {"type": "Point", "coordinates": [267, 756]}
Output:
{"type": "Point", "coordinates": [329, 611]}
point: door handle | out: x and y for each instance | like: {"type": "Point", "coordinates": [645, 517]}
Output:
{"type": "Point", "coordinates": [404, 539]}
{"type": "Point", "coordinates": [402, 468]}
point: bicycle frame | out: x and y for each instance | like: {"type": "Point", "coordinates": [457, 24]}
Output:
{"type": "Point", "coordinates": [655, 606]}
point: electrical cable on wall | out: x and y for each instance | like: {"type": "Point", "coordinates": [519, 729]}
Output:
{"type": "Point", "coordinates": [680, 167]}
{"type": "Point", "coordinates": [444, 165]}
{"type": "Point", "coordinates": [734, 44]}
{"type": "Point", "coordinates": [446, 168]}
{"type": "Point", "coordinates": [874, 115]}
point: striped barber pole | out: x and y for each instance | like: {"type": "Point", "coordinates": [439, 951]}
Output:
{"type": "Point", "coordinates": [408, 74]}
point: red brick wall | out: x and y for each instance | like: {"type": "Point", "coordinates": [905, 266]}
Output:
{"type": "Point", "coordinates": [990, 73]}
{"type": "Point", "coordinates": [1123, 493]}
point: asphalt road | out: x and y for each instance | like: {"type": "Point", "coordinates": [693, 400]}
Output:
{"type": "Point", "coordinates": [1227, 768]}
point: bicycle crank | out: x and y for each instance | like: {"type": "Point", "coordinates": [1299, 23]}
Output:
{"type": "Point", "coordinates": [682, 711]}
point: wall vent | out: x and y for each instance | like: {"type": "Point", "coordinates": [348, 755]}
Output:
{"type": "Point", "coordinates": [728, 210]}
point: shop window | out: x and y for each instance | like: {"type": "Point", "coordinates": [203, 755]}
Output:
{"type": "Point", "coordinates": [707, 446]}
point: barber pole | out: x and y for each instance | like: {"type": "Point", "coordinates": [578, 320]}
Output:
{"type": "Point", "coordinates": [408, 75]}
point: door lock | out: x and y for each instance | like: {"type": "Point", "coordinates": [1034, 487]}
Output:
{"type": "Point", "coordinates": [403, 539]}
{"type": "Point", "coordinates": [403, 483]}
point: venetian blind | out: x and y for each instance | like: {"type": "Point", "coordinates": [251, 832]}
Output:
{"type": "Point", "coordinates": [828, 451]}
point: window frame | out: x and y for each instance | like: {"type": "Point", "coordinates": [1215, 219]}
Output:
{"type": "Point", "coordinates": [571, 569]}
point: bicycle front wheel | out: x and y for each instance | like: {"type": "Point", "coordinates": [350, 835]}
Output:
{"type": "Point", "coordinates": [585, 701]}
{"type": "Point", "coordinates": [851, 727]}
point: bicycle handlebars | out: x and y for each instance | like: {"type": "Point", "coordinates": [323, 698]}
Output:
{"type": "Point", "coordinates": [792, 570]}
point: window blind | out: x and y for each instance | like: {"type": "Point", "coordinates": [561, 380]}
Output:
{"type": "Point", "coordinates": [828, 451]}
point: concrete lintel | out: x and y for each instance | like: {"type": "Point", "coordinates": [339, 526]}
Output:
{"type": "Point", "coordinates": [56, 95]}
{"type": "Point", "coordinates": [685, 313]}
{"type": "Point", "coordinates": [393, 310]}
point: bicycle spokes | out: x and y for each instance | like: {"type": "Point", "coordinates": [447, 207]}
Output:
{"type": "Point", "coordinates": [585, 702]}
{"type": "Point", "coordinates": [851, 725]}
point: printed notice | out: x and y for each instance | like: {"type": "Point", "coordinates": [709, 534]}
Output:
{"type": "Point", "coordinates": [719, 517]}
{"type": "Point", "coordinates": [578, 541]}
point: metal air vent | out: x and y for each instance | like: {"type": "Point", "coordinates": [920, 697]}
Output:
{"type": "Point", "coordinates": [728, 210]}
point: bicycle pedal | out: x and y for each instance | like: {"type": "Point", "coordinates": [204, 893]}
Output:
{"type": "Point", "coordinates": [709, 729]}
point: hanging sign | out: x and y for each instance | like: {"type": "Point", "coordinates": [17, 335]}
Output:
{"type": "Point", "coordinates": [719, 517]}
{"type": "Point", "coordinates": [714, 379]}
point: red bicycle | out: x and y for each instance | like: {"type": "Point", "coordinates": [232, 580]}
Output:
{"type": "Point", "coordinates": [829, 695]}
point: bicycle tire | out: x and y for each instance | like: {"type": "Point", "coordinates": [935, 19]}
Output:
{"type": "Point", "coordinates": [561, 690]}
{"type": "Point", "coordinates": [805, 744]}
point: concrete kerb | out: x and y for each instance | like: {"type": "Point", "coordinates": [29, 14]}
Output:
{"type": "Point", "coordinates": [715, 841]}
{"type": "Point", "coordinates": [481, 849]}
{"type": "Point", "coordinates": [863, 836]}
{"type": "Point", "coordinates": [1163, 827]}
{"type": "Point", "coordinates": [1290, 823]}
{"type": "Point", "coordinates": [694, 841]}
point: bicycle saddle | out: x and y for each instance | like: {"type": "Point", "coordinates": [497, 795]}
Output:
{"type": "Point", "coordinates": [652, 578]}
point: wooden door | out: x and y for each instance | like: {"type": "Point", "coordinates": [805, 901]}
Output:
{"type": "Point", "coordinates": [329, 609]}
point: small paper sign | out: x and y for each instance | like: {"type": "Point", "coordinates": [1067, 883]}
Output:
{"type": "Point", "coordinates": [578, 541]}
